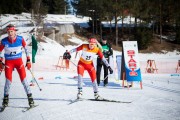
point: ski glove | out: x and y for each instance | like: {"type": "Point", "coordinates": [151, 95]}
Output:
{"type": "Point", "coordinates": [2, 65]}
{"type": "Point", "coordinates": [28, 64]}
{"type": "Point", "coordinates": [110, 70]}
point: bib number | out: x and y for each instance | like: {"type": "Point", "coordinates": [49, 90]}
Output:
{"type": "Point", "coordinates": [13, 53]}
{"type": "Point", "coordinates": [88, 57]}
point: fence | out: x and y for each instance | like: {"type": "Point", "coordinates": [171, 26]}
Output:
{"type": "Point", "coordinates": [163, 67]}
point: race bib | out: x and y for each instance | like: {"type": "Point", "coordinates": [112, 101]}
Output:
{"type": "Point", "coordinates": [88, 56]}
{"type": "Point", "coordinates": [13, 50]}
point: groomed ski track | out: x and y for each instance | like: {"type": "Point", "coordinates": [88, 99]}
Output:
{"type": "Point", "coordinates": [148, 103]}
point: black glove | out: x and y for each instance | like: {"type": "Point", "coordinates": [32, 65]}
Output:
{"type": "Point", "coordinates": [105, 52]}
{"type": "Point", "coordinates": [2, 65]}
{"type": "Point", "coordinates": [109, 53]}
{"type": "Point", "coordinates": [110, 70]}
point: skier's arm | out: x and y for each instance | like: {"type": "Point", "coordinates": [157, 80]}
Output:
{"type": "Point", "coordinates": [1, 49]}
{"type": "Point", "coordinates": [105, 61]}
{"type": "Point", "coordinates": [28, 63]}
{"type": "Point", "coordinates": [1, 57]}
{"type": "Point", "coordinates": [76, 49]}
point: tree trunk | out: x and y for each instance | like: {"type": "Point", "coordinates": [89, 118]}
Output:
{"type": "Point", "coordinates": [116, 25]}
{"type": "Point", "coordinates": [160, 22]}
{"type": "Point", "coordinates": [100, 26]}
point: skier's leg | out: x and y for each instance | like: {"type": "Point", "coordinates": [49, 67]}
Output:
{"type": "Point", "coordinates": [80, 70]}
{"type": "Point", "coordinates": [6, 93]}
{"type": "Point", "coordinates": [22, 75]}
{"type": "Point", "coordinates": [7, 87]}
{"type": "Point", "coordinates": [92, 73]}
{"type": "Point", "coordinates": [8, 75]}
{"type": "Point", "coordinates": [79, 95]}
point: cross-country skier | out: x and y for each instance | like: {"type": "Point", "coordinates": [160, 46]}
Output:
{"type": "Point", "coordinates": [12, 46]}
{"type": "Point", "coordinates": [86, 63]}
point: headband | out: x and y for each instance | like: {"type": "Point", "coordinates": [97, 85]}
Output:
{"type": "Point", "coordinates": [11, 28]}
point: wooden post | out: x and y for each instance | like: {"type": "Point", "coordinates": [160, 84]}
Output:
{"type": "Point", "coordinates": [58, 62]}
{"type": "Point", "coordinates": [141, 84]}
{"type": "Point", "coordinates": [178, 65]}
{"type": "Point", "coordinates": [128, 85]}
{"type": "Point", "coordinates": [155, 67]}
{"type": "Point", "coordinates": [123, 79]}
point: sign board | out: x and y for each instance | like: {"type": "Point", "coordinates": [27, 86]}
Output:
{"type": "Point", "coordinates": [118, 61]}
{"type": "Point", "coordinates": [131, 61]}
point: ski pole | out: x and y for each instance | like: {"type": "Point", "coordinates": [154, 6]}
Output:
{"type": "Point", "coordinates": [72, 62]}
{"type": "Point", "coordinates": [35, 80]}
{"type": "Point", "coordinates": [106, 76]}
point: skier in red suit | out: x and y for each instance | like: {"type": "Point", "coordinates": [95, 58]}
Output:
{"type": "Point", "coordinates": [12, 46]}
{"type": "Point", "coordinates": [89, 51]}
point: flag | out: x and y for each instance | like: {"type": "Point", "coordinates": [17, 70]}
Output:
{"type": "Point", "coordinates": [34, 48]}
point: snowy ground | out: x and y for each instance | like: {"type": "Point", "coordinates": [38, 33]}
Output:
{"type": "Point", "coordinates": [158, 100]}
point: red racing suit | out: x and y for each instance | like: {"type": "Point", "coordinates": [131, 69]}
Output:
{"type": "Point", "coordinates": [86, 63]}
{"type": "Point", "coordinates": [13, 59]}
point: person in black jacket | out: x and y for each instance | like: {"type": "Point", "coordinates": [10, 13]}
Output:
{"type": "Point", "coordinates": [107, 51]}
{"type": "Point", "coordinates": [67, 57]}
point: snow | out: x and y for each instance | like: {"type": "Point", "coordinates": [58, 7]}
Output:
{"type": "Point", "coordinates": [158, 100]}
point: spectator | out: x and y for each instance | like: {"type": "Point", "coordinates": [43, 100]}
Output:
{"type": "Point", "coordinates": [67, 57]}
{"type": "Point", "coordinates": [107, 51]}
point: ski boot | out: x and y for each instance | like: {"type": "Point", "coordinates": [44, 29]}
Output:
{"type": "Point", "coordinates": [30, 99]}
{"type": "Point", "coordinates": [97, 96]}
{"type": "Point", "coordinates": [5, 101]}
{"type": "Point", "coordinates": [79, 95]}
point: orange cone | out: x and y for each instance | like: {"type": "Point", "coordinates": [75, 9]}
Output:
{"type": "Point", "coordinates": [41, 78]}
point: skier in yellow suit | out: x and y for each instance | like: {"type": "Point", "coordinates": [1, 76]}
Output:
{"type": "Point", "coordinates": [89, 51]}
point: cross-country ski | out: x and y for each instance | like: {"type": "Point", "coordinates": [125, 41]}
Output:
{"type": "Point", "coordinates": [2, 108]}
{"type": "Point", "coordinates": [100, 100]}
{"type": "Point", "coordinates": [29, 108]}
{"type": "Point", "coordinates": [109, 100]}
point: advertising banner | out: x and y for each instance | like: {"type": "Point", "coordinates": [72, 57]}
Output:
{"type": "Point", "coordinates": [132, 66]}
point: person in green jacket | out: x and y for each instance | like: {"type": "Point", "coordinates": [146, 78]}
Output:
{"type": "Point", "coordinates": [107, 51]}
